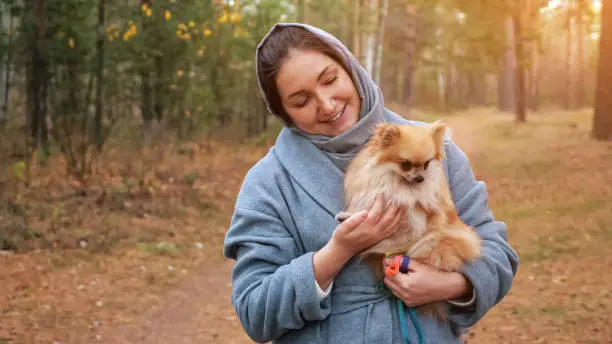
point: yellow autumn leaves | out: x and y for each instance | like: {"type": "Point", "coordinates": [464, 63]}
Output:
{"type": "Point", "coordinates": [183, 31]}
{"type": "Point", "coordinates": [146, 10]}
{"type": "Point", "coordinates": [131, 32]}
{"type": "Point", "coordinates": [112, 32]}
{"type": "Point", "coordinates": [71, 43]}
{"type": "Point", "coordinates": [231, 17]}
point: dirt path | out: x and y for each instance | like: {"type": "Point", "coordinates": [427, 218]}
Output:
{"type": "Point", "coordinates": [200, 311]}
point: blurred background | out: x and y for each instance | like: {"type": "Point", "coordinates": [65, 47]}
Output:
{"type": "Point", "coordinates": [126, 128]}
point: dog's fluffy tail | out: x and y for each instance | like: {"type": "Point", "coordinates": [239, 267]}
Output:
{"type": "Point", "coordinates": [448, 249]}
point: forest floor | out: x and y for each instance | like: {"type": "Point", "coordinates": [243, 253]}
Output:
{"type": "Point", "coordinates": [137, 258]}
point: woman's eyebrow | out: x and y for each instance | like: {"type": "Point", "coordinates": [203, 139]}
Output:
{"type": "Point", "coordinates": [323, 72]}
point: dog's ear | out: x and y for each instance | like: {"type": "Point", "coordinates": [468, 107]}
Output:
{"type": "Point", "coordinates": [384, 135]}
{"type": "Point", "coordinates": [438, 132]}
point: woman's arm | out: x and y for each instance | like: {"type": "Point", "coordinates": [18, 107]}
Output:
{"type": "Point", "coordinates": [327, 263]}
{"type": "Point", "coordinates": [273, 282]}
{"type": "Point", "coordinates": [491, 276]}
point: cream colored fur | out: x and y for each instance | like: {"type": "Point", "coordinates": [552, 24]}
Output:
{"type": "Point", "coordinates": [431, 230]}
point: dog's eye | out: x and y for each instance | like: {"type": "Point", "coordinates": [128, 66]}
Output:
{"type": "Point", "coordinates": [426, 164]}
{"type": "Point", "coordinates": [406, 165]}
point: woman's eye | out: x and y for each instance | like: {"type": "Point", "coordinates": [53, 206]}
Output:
{"type": "Point", "coordinates": [304, 103]}
{"type": "Point", "coordinates": [406, 165]}
{"type": "Point", "coordinates": [330, 81]}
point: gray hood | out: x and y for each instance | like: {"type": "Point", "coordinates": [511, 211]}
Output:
{"type": "Point", "coordinates": [342, 148]}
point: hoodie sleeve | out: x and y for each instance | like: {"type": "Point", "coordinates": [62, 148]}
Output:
{"type": "Point", "coordinates": [274, 288]}
{"type": "Point", "coordinates": [493, 273]}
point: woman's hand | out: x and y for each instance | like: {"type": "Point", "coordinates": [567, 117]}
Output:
{"type": "Point", "coordinates": [366, 228]}
{"type": "Point", "coordinates": [352, 236]}
{"type": "Point", "coordinates": [424, 284]}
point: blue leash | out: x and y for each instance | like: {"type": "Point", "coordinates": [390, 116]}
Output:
{"type": "Point", "coordinates": [413, 318]}
{"type": "Point", "coordinates": [400, 309]}
{"type": "Point", "coordinates": [402, 318]}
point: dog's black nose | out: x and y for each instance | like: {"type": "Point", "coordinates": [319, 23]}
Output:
{"type": "Point", "coordinates": [418, 179]}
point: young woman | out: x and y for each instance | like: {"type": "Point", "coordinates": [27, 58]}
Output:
{"type": "Point", "coordinates": [296, 278]}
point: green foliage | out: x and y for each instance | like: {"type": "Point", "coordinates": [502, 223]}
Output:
{"type": "Point", "coordinates": [190, 64]}
{"type": "Point", "coordinates": [160, 248]}
{"type": "Point", "coordinates": [186, 63]}
{"type": "Point", "coordinates": [191, 178]}
{"type": "Point", "coordinates": [19, 169]}
{"type": "Point", "coordinates": [14, 238]}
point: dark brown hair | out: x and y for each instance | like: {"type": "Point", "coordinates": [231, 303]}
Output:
{"type": "Point", "coordinates": [276, 49]}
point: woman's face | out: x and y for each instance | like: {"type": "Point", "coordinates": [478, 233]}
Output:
{"type": "Point", "coordinates": [317, 93]}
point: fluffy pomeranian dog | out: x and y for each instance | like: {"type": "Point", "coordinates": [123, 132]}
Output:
{"type": "Point", "coordinates": [403, 164]}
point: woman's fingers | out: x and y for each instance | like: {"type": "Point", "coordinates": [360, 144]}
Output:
{"type": "Point", "coordinates": [387, 217]}
{"type": "Point", "coordinates": [354, 220]}
{"type": "Point", "coordinates": [342, 216]}
{"type": "Point", "coordinates": [395, 284]}
{"type": "Point", "coordinates": [394, 225]}
{"type": "Point", "coordinates": [388, 223]}
{"type": "Point", "coordinates": [375, 212]}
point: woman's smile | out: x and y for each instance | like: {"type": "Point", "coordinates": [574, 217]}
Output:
{"type": "Point", "coordinates": [338, 115]}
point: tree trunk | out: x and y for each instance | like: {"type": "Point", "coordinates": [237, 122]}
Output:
{"type": "Point", "coordinates": [38, 78]}
{"type": "Point", "coordinates": [369, 40]}
{"type": "Point", "coordinates": [160, 97]}
{"type": "Point", "coordinates": [449, 86]}
{"type": "Point", "coordinates": [475, 85]}
{"type": "Point", "coordinates": [532, 52]}
{"type": "Point", "coordinates": [567, 97]}
{"type": "Point", "coordinates": [345, 29]}
{"type": "Point", "coordinates": [534, 83]}
{"type": "Point", "coordinates": [6, 68]}
{"type": "Point", "coordinates": [146, 108]}
{"type": "Point", "coordinates": [380, 37]}
{"type": "Point", "coordinates": [580, 37]}
{"type": "Point", "coordinates": [4, 17]}
{"type": "Point", "coordinates": [357, 30]}
{"type": "Point", "coordinates": [408, 74]}
{"type": "Point", "coordinates": [100, 75]}
{"type": "Point", "coordinates": [519, 70]}
{"type": "Point", "coordinates": [441, 83]}
{"type": "Point", "coordinates": [602, 119]}
{"type": "Point", "coordinates": [216, 77]}
{"type": "Point", "coordinates": [506, 92]}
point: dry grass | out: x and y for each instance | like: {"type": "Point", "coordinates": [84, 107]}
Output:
{"type": "Point", "coordinates": [552, 185]}
{"type": "Point", "coordinates": [150, 216]}
{"type": "Point", "coordinates": [153, 216]}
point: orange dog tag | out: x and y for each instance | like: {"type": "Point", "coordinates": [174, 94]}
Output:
{"type": "Point", "coordinates": [394, 268]}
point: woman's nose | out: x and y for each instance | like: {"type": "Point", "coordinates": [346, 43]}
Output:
{"type": "Point", "coordinates": [326, 105]}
